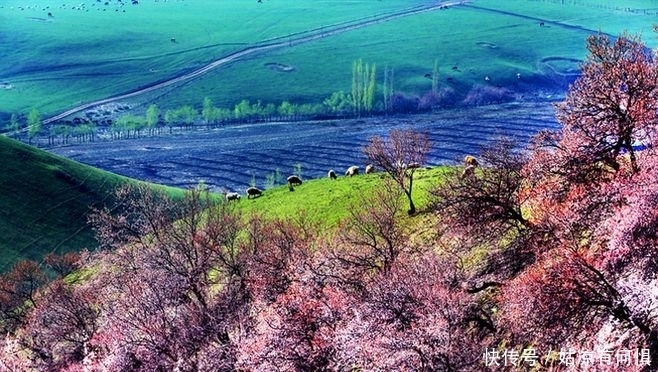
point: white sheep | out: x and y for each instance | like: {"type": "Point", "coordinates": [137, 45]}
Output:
{"type": "Point", "coordinates": [352, 171]}
{"type": "Point", "coordinates": [232, 196]}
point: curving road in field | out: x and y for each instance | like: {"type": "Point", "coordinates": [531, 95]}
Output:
{"type": "Point", "coordinates": [289, 41]}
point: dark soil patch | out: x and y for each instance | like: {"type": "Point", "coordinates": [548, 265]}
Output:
{"type": "Point", "coordinates": [280, 67]}
{"type": "Point", "coordinates": [485, 44]}
{"type": "Point", "coordinates": [228, 157]}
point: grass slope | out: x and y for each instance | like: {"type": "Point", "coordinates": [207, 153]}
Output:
{"type": "Point", "coordinates": [45, 200]}
{"type": "Point", "coordinates": [53, 65]}
{"type": "Point", "coordinates": [325, 202]}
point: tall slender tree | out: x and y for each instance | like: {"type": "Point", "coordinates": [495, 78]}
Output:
{"type": "Point", "coordinates": [152, 117]}
{"type": "Point", "coordinates": [33, 124]}
{"type": "Point", "coordinates": [14, 124]}
{"type": "Point", "coordinates": [388, 88]}
{"type": "Point", "coordinates": [357, 67]}
{"type": "Point", "coordinates": [370, 88]}
{"type": "Point", "coordinates": [435, 77]}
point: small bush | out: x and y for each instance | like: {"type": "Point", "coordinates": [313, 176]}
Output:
{"type": "Point", "coordinates": [487, 94]}
{"type": "Point", "coordinates": [403, 104]}
{"type": "Point", "coordinates": [445, 97]}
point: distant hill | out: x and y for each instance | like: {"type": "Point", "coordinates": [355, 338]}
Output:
{"type": "Point", "coordinates": [44, 202]}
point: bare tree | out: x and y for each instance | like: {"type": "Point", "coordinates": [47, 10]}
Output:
{"type": "Point", "coordinates": [487, 204]}
{"type": "Point", "coordinates": [400, 155]}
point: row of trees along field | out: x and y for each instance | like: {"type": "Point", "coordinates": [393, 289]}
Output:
{"type": "Point", "coordinates": [362, 100]}
{"type": "Point", "coordinates": [543, 259]}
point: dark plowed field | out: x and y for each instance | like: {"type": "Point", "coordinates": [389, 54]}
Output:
{"type": "Point", "coordinates": [230, 156]}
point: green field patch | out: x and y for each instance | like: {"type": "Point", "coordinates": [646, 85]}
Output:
{"type": "Point", "coordinates": [327, 202]}
{"type": "Point", "coordinates": [478, 43]}
{"type": "Point", "coordinates": [54, 66]}
{"type": "Point", "coordinates": [117, 48]}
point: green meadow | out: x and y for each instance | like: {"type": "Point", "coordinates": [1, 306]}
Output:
{"type": "Point", "coordinates": [85, 53]}
{"type": "Point", "coordinates": [89, 51]}
{"type": "Point", "coordinates": [325, 202]}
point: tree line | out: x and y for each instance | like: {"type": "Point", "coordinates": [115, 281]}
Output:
{"type": "Point", "coordinates": [361, 100]}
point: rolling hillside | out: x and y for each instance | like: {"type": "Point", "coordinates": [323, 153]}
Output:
{"type": "Point", "coordinates": [326, 202]}
{"type": "Point", "coordinates": [44, 202]}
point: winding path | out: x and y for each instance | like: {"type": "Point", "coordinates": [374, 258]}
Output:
{"type": "Point", "coordinates": [288, 42]}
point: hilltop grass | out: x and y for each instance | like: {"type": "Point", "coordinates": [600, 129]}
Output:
{"type": "Point", "coordinates": [45, 200]}
{"type": "Point", "coordinates": [325, 202]}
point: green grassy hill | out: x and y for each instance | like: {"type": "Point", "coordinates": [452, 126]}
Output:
{"type": "Point", "coordinates": [44, 202]}
{"type": "Point", "coordinates": [326, 202]}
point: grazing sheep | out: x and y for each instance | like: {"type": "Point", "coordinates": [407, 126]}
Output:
{"type": "Point", "coordinates": [232, 196]}
{"type": "Point", "coordinates": [469, 172]}
{"type": "Point", "coordinates": [352, 171]}
{"type": "Point", "coordinates": [294, 180]}
{"type": "Point", "coordinates": [332, 174]}
{"type": "Point", "coordinates": [253, 191]}
{"type": "Point", "coordinates": [470, 160]}
{"type": "Point", "coordinates": [401, 166]}
{"type": "Point", "coordinates": [370, 169]}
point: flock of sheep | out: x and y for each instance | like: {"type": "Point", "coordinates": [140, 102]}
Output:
{"type": "Point", "coordinates": [294, 180]}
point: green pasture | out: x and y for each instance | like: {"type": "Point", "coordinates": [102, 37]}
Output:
{"type": "Point", "coordinates": [45, 200]}
{"type": "Point", "coordinates": [503, 47]}
{"type": "Point", "coordinates": [325, 202]}
{"type": "Point", "coordinates": [90, 52]}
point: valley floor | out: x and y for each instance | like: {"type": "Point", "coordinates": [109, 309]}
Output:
{"type": "Point", "coordinates": [231, 157]}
